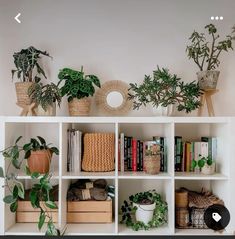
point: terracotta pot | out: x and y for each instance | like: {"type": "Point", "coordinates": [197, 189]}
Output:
{"type": "Point", "coordinates": [208, 79]}
{"type": "Point", "coordinates": [51, 110]}
{"type": "Point", "coordinates": [39, 161]}
{"type": "Point", "coordinates": [152, 164]}
{"type": "Point", "coordinates": [79, 107]}
{"type": "Point", "coordinates": [22, 92]}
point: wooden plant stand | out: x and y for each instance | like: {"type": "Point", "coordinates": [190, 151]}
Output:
{"type": "Point", "coordinates": [206, 99]}
{"type": "Point", "coordinates": [27, 110]}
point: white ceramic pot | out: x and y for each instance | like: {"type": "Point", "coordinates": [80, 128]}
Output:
{"type": "Point", "coordinates": [51, 110]}
{"type": "Point", "coordinates": [163, 111]}
{"type": "Point", "coordinates": [144, 213]}
{"type": "Point", "coordinates": [208, 169]}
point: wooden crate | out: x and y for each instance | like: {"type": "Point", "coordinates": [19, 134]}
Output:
{"type": "Point", "coordinates": [26, 213]}
{"type": "Point", "coordinates": [90, 212]}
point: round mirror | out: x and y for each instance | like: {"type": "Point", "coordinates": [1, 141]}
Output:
{"type": "Point", "coordinates": [114, 99]}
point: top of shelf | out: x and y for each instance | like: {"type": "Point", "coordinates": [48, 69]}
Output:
{"type": "Point", "coordinates": [95, 119]}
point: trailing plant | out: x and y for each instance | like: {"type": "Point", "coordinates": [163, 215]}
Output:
{"type": "Point", "coordinates": [202, 162]}
{"type": "Point", "coordinates": [26, 63]}
{"type": "Point", "coordinates": [206, 53]}
{"type": "Point", "coordinates": [45, 95]}
{"type": "Point", "coordinates": [40, 195]}
{"type": "Point", "coordinates": [148, 197]}
{"type": "Point", "coordinates": [164, 89]}
{"type": "Point", "coordinates": [77, 84]}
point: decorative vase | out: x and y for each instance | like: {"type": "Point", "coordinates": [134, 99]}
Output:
{"type": "Point", "coordinates": [208, 169]}
{"type": "Point", "coordinates": [22, 92]}
{"type": "Point", "coordinates": [51, 110]}
{"type": "Point", "coordinates": [163, 111]}
{"type": "Point", "coordinates": [144, 212]}
{"type": "Point", "coordinates": [39, 161]}
{"type": "Point", "coordinates": [181, 198]}
{"type": "Point", "coordinates": [208, 79]}
{"type": "Point", "coordinates": [79, 107]}
{"type": "Point", "coordinates": [152, 164]}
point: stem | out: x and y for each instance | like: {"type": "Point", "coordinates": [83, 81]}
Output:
{"type": "Point", "coordinates": [212, 51]}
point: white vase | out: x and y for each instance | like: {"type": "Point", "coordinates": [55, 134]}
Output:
{"type": "Point", "coordinates": [208, 169]}
{"type": "Point", "coordinates": [51, 110]}
{"type": "Point", "coordinates": [163, 111]}
{"type": "Point", "coordinates": [144, 213]}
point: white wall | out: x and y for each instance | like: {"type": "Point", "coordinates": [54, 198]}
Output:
{"type": "Point", "coordinates": [116, 40]}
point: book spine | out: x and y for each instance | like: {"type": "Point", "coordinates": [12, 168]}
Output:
{"type": "Point", "coordinates": [119, 154]}
{"type": "Point", "coordinates": [122, 158]}
{"type": "Point", "coordinates": [214, 148]}
{"type": "Point", "coordinates": [129, 153]}
{"type": "Point", "coordinates": [165, 155]}
{"type": "Point", "coordinates": [188, 156]}
{"type": "Point", "coordinates": [141, 156]}
{"type": "Point", "coordinates": [138, 155]}
{"type": "Point", "coordinates": [192, 156]}
{"type": "Point", "coordinates": [125, 154]}
{"type": "Point", "coordinates": [178, 156]}
{"type": "Point", "coordinates": [183, 157]}
{"type": "Point", "coordinates": [162, 154]}
{"type": "Point", "coordinates": [134, 155]}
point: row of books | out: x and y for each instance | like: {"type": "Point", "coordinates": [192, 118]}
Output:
{"type": "Point", "coordinates": [132, 152]}
{"type": "Point", "coordinates": [186, 152]}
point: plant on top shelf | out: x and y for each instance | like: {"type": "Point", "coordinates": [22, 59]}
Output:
{"type": "Point", "coordinates": [28, 70]}
{"type": "Point", "coordinates": [206, 53]}
{"type": "Point", "coordinates": [45, 97]}
{"type": "Point", "coordinates": [149, 209]}
{"type": "Point", "coordinates": [41, 193]}
{"type": "Point", "coordinates": [78, 87]}
{"type": "Point", "coordinates": [205, 164]}
{"type": "Point", "coordinates": [163, 90]}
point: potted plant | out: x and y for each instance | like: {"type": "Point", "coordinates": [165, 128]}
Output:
{"type": "Point", "coordinates": [149, 209]}
{"type": "Point", "coordinates": [40, 194]}
{"type": "Point", "coordinates": [78, 87]}
{"type": "Point", "coordinates": [45, 97]}
{"type": "Point", "coordinates": [164, 90]}
{"type": "Point", "coordinates": [28, 70]}
{"type": "Point", "coordinates": [205, 164]}
{"type": "Point", "coordinates": [152, 162]}
{"type": "Point", "coordinates": [206, 55]}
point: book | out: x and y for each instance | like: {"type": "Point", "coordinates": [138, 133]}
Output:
{"type": "Point", "coordinates": [138, 155]}
{"type": "Point", "coordinates": [134, 155]}
{"type": "Point", "coordinates": [165, 154]}
{"type": "Point", "coordinates": [188, 157]}
{"type": "Point", "coordinates": [129, 153]}
{"type": "Point", "coordinates": [141, 156]}
{"type": "Point", "coordinates": [178, 153]}
{"type": "Point", "coordinates": [122, 158]}
{"type": "Point", "coordinates": [125, 154]}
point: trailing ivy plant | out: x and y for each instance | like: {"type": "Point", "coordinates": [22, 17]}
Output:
{"type": "Point", "coordinates": [40, 195]}
{"type": "Point", "coordinates": [27, 66]}
{"type": "Point", "coordinates": [206, 53]}
{"type": "Point", "coordinates": [77, 84]}
{"type": "Point", "coordinates": [163, 89]}
{"type": "Point", "coordinates": [159, 215]}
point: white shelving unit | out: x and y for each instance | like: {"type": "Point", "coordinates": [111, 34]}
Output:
{"type": "Point", "coordinates": [190, 128]}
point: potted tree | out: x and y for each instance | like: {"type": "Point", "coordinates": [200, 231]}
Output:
{"type": "Point", "coordinates": [206, 55]}
{"type": "Point", "coordinates": [163, 91]}
{"type": "Point", "coordinates": [205, 164]}
{"type": "Point", "coordinates": [28, 70]}
{"type": "Point", "coordinates": [78, 87]}
{"type": "Point", "coordinates": [45, 97]}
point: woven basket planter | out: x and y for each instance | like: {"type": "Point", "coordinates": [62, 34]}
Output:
{"type": "Point", "coordinates": [99, 151]}
{"type": "Point", "coordinates": [152, 164]}
{"type": "Point", "coordinates": [79, 107]}
{"type": "Point", "coordinates": [22, 92]}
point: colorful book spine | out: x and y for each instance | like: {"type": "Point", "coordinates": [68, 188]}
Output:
{"type": "Point", "coordinates": [138, 155]}
{"type": "Point", "coordinates": [165, 155]}
{"type": "Point", "coordinates": [141, 156]}
{"type": "Point", "coordinates": [125, 154]}
{"type": "Point", "coordinates": [192, 156]}
{"type": "Point", "coordinates": [188, 157]}
{"type": "Point", "coordinates": [134, 155]}
{"type": "Point", "coordinates": [178, 153]}
{"type": "Point", "coordinates": [122, 157]}
{"type": "Point", "coordinates": [129, 153]}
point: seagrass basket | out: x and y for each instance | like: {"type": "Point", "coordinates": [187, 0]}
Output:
{"type": "Point", "coordinates": [79, 107]}
{"type": "Point", "coordinates": [99, 151]}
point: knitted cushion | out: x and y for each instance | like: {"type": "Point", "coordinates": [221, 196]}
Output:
{"type": "Point", "coordinates": [99, 150]}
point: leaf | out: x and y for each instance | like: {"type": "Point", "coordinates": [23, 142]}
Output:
{"type": "Point", "coordinates": [201, 163]}
{"type": "Point", "coordinates": [55, 150]}
{"type": "Point", "coordinates": [51, 229]}
{"type": "Point", "coordinates": [27, 154]}
{"type": "Point", "coordinates": [34, 198]}
{"type": "Point", "coordinates": [35, 175]}
{"type": "Point", "coordinates": [21, 191]}
{"type": "Point", "coordinates": [16, 163]}
{"type": "Point", "coordinates": [6, 155]}
{"type": "Point", "coordinates": [51, 205]}
{"type": "Point", "coordinates": [41, 220]}
{"type": "Point", "coordinates": [14, 206]}
{"type": "Point", "coordinates": [42, 140]}
{"type": "Point", "coordinates": [18, 139]}
{"type": "Point", "coordinates": [9, 199]}
{"type": "Point", "coordinates": [27, 147]}
{"type": "Point", "coordinates": [15, 192]}
{"type": "Point", "coordinates": [1, 173]}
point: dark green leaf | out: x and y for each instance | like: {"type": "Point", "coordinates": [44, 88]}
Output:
{"type": "Point", "coordinates": [16, 163]}
{"type": "Point", "coordinates": [35, 175]}
{"type": "Point", "coordinates": [18, 139]}
{"type": "Point", "coordinates": [1, 173]}
{"type": "Point", "coordinates": [20, 187]}
{"type": "Point", "coordinates": [51, 205]}
{"type": "Point", "coordinates": [201, 163]}
{"type": "Point", "coordinates": [14, 206]}
{"type": "Point", "coordinates": [9, 199]}
{"type": "Point", "coordinates": [41, 220]}
{"type": "Point", "coordinates": [55, 150]}
{"type": "Point", "coordinates": [27, 154]}
{"type": "Point", "coordinates": [42, 140]}
{"type": "Point", "coordinates": [27, 147]}
{"type": "Point", "coordinates": [34, 198]}
{"type": "Point", "coordinates": [6, 155]}
{"type": "Point", "coordinates": [15, 192]}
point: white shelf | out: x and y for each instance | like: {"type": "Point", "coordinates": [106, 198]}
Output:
{"type": "Point", "coordinates": [143, 175]}
{"type": "Point", "coordinates": [198, 176]}
{"type": "Point", "coordinates": [205, 232]}
{"type": "Point", "coordinates": [89, 175]}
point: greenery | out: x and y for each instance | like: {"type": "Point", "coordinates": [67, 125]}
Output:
{"type": "Point", "coordinates": [77, 84]}
{"type": "Point", "coordinates": [206, 53]}
{"type": "Point", "coordinates": [45, 95]}
{"type": "Point", "coordinates": [26, 61]}
{"type": "Point", "coordinates": [40, 195]}
{"type": "Point", "coordinates": [164, 89]}
{"type": "Point", "coordinates": [202, 162]}
{"type": "Point", "coordinates": [159, 216]}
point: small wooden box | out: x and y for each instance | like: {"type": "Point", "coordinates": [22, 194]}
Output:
{"type": "Point", "coordinates": [90, 212]}
{"type": "Point", "coordinates": [26, 213]}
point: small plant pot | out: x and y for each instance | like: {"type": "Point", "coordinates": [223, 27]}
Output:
{"type": "Point", "coordinates": [163, 111]}
{"type": "Point", "coordinates": [208, 79]}
{"type": "Point", "coordinates": [144, 213]}
{"type": "Point", "coordinates": [51, 110]}
{"type": "Point", "coordinates": [22, 92]}
{"type": "Point", "coordinates": [79, 107]}
{"type": "Point", "coordinates": [152, 164]}
{"type": "Point", "coordinates": [208, 169]}
{"type": "Point", "coordinates": [40, 161]}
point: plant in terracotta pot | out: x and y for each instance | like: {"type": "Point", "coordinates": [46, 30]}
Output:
{"type": "Point", "coordinates": [206, 55]}
{"type": "Point", "coordinates": [205, 164]}
{"type": "Point", "coordinates": [78, 87]}
{"type": "Point", "coordinates": [28, 70]}
{"type": "Point", "coordinates": [144, 210]}
{"type": "Point", "coordinates": [162, 91]}
{"type": "Point", "coordinates": [46, 97]}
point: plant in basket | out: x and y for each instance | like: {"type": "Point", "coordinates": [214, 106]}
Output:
{"type": "Point", "coordinates": [78, 87]}
{"type": "Point", "coordinates": [205, 164]}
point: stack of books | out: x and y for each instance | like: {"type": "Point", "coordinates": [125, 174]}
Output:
{"type": "Point", "coordinates": [186, 152]}
{"type": "Point", "coordinates": [132, 152]}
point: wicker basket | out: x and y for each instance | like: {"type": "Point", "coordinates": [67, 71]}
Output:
{"type": "Point", "coordinates": [79, 107]}
{"type": "Point", "coordinates": [152, 164]}
{"type": "Point", "coordinates": [22, 92]}
{"type": "Point", "coordinates": [182, 218]}
{"type": "Point", "coordinates": [99, 150]}
{"type": "Point", "coordinates": [181, 198]}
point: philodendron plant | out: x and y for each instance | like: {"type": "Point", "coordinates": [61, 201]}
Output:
{"type": "Point", "coordinates": [40, 194]}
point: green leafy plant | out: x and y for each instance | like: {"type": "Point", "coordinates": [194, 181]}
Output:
{"type": "Point", "coordinates": [148, 197]}
{"type": "Point", "coordinates": [164, 89]}
{"type": "Point", "coordinates": [45, 95]}
{"type": "Point", "coordinates": [26, 63]}
{"type": "Point", "coordinates": [202, 162]}
{"type": "Point", "coordinates": [206, 53]}
{"type": "Point", "coordinates": [40, 195]}
{"type": "Point", "coordinates": [77, 84]}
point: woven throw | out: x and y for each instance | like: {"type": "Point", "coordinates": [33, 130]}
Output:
{"type": "Point", "coordinates": [99, 151]}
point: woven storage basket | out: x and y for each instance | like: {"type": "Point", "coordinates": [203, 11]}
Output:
{"type": "Point", "coordinates": [98, 152]}
{"type": "Point", "coordinates": [79, 107]}
{"type": "Point", "coordinates": [152, 164]}
{"type": "Point", "coordinates": [22, 92]}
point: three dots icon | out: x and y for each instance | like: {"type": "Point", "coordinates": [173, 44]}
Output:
{"type": "Point", "coordinates": [217, 18]}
